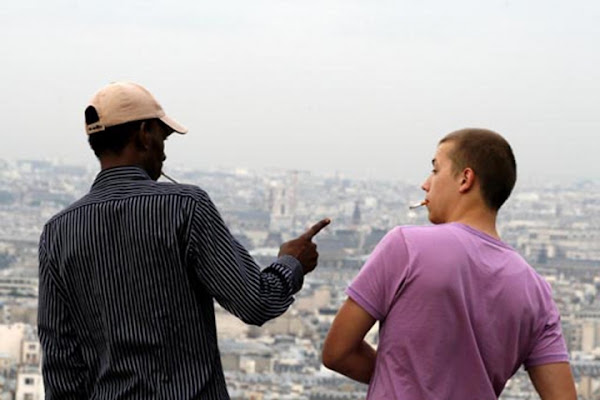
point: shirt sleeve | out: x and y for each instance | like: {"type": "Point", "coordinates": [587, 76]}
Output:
{"type": "Point", "coordinates": [64, 371]}
{"type": "Point", "coordinates": [232, 276]}
{"type": "Point", "coordinates": [550, 346]}
{"type": "Point", "coordinates": [377, 284]}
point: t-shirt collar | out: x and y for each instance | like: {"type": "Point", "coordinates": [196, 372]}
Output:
{"type": "Point", "coordinates": [481, 234]}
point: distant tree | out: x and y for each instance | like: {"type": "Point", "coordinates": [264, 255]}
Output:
{"type": "Point", "coordinates": [543, 255]}
{"type": "Point", "coordinates": [6, 197]}
{"type": "Point", "coordinates": [6, 260]}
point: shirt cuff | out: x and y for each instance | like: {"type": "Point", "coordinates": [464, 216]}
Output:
{"type": "Point", "coordinates": [549, 359]}
{"type": "Point", "coordinates": [295, 268]}
{"type": "Point", "coordinates": [364, 303]}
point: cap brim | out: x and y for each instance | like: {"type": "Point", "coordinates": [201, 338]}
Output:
{"type": "Point", "coordinates": [176, 126]}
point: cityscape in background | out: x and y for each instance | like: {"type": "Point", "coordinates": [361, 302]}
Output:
{"type": "Point", "coordinates": [555, 227]}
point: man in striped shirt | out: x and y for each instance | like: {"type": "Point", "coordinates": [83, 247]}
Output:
{"type": "Point", "coordinates": [129, 272]}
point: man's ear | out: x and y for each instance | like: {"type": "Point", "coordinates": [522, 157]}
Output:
{"type": "Point", "coordinates": [467, 177]}
{"type": "Point", "coordinates": [142, 136]}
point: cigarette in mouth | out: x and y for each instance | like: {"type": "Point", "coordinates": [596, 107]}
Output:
{"type": "Point", "coordinates": [168, 177]}
{"type": "Point", "coordinates": [417, 205]}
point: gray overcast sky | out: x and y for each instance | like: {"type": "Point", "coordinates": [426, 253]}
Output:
{"type": "Point", "coordinates": [361, 87]}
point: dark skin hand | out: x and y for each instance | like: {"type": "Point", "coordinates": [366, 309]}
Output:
{"type": "Point", "coordinates": [303, 249]}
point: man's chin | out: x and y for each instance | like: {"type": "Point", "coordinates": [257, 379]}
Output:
{"type": "Point", "coordinates": [154, 175]}
{"type": "Point", "coordinates": [434, 220]}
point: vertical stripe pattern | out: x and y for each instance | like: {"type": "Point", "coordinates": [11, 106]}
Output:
{"type": "Point", "coordinates": [128, 275]}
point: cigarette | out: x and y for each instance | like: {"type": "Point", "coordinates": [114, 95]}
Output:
{"type": "Point", "coordinates": [417, 205]}
{"type": "Point", "coordinates": [168, 177]}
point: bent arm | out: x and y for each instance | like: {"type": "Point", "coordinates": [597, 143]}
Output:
{"type": "Point", "coordinates": [553, 381]}
{"type": "Point", "coordinates": [231, 275]}
{"type": "Point", "coordinates": [345, 349]}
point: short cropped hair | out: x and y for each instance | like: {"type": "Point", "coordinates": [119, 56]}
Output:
{"type": "Point", "coordinates": [113, 139]}
{"type": "Point", "coordinates": [491, 158]}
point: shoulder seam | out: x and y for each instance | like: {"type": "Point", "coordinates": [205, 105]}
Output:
{"type": "Point", "coordinates": [74, 207]}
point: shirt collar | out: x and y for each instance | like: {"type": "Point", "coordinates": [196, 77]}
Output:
{"type": "Point", "coordinates": [481, 234]}
{"type": "Point", "coordinates": [120, 174]}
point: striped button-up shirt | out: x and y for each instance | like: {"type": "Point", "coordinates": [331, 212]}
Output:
{"type": "Point", "coordinates": [128, 275]}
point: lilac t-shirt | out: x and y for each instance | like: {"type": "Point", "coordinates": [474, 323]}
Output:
{"type": "Point", "coordinates": [459, 313]}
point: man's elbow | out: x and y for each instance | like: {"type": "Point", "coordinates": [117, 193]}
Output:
{"type": "Point", "coordinates": [255, 320]}
{"type": "Point", "coordinates": [332, 358]}
{"type": "Point", "coordinates": [259, 314]}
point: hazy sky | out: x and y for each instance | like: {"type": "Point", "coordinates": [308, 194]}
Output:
{"type": "Point", "coordinates": [361, 87]}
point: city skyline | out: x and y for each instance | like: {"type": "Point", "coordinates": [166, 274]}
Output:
{"type": "Point", "coordinates": [554, 227]}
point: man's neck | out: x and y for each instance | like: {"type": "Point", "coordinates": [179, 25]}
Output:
{"type": "Point", "coordinates": [489, 229]}
{"type": "Point", "coordinates": [480, 218]}
{"type": "Point", "coordinates": [120, 160]}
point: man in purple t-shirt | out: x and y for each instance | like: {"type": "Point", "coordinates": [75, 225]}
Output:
{"type": "Point", "coordinates": [460, 311]}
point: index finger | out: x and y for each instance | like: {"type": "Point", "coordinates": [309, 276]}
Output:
{"type": "Point", "coordinates": [316, 228]}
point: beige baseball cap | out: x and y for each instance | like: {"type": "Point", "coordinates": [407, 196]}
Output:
{"type": "Point", "coordinates": [121, 102]}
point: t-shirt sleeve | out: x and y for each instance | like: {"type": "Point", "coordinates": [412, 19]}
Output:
{"type": "Point", "coordinates": [377, 284]}
{"type": "Point", "coordinates": [550, 346]}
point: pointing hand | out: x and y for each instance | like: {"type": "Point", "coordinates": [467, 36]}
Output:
{"type": "Point", "coordinates": [303, 249]}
